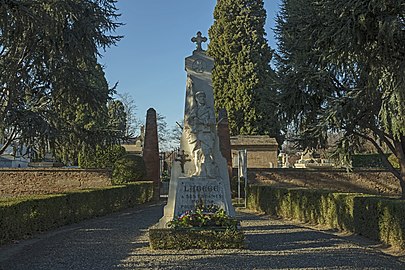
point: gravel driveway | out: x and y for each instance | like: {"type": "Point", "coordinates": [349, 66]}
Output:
{"type": "Point", "coordinates": [119, 241]}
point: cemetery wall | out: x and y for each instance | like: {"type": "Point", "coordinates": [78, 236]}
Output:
{"type": "Point", "coordinates": [17, 182]}
{"type": "Point", "coordinates": [364, 181]}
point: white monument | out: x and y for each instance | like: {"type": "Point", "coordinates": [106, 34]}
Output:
{"type": "Point", "coordinates": [199, 174]}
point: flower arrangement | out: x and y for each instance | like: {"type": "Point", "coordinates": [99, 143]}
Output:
{"type": "Point", "coordinates": [204, 216]}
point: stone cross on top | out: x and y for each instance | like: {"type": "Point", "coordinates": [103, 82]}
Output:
{"type": "Point", "coordinates": [199, 39]}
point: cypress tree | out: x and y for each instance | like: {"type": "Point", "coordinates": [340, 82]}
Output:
{"type": "Point", "coordinates": [242, 74]}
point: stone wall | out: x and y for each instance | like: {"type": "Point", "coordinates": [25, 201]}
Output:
{"type": "Point", "coordinates": [17, 182]}
{"type": "Point", "coordinates": [363, 181]}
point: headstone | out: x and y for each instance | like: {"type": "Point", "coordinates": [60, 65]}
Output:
{"type": "Point", "coordinates": [200, 174]}
{"type": "Point", "coordinates": [151, 151]}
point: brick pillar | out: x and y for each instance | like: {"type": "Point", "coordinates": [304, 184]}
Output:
{"type": "Point", "coordinates": [224, 139]}
{"type": "Point", "coordinates": [151, 151]}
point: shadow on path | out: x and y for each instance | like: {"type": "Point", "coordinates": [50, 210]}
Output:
{"type": "Point", "coordinates": [120, 241]}
{"type": "Point", "coordinates": [271, 244]}
{"type": "Point", "coordinates": [100, 243]}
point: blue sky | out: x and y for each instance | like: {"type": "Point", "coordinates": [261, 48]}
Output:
{"type": "Point", "coordinates": [148, 63]}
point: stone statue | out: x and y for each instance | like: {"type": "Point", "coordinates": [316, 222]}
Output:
{"type": "Point", "coordinates": [201, 136]}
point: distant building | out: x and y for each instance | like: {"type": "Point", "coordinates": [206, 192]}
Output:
{"type": "Point", "coordinates": [134, 146]}
{"type": "Point", "coordinates": [262, 150]}
{"type": "Point", "coordinates": [6, 161]}
{"type": "Point", "coordinates": [14, 158]}
{"type": "Point", "coordinates": [133, 149]}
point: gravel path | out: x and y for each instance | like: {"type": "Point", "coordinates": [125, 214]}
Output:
{"type": "Point", "coordinates": [119, 241]}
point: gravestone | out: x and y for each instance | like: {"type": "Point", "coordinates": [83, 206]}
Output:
{"type": "Point", "coordinates": [200, 174]}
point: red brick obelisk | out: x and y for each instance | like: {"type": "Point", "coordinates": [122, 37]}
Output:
{"type": "Point", "coordinates": [151, 152]}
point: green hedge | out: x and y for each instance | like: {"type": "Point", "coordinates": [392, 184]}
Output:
{"type": "Point", "coordinates": [196, 238]}
{"type": "Point", "coordinates": [129, 168]}
{"type": "Point", "coordinates": [368, 161]}
{"type": "Point", "coordinates": [377, 218]}
{"type": "Point", "coordinates": [22, 217]}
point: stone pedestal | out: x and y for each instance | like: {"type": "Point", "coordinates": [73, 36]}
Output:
{"type": "Point", "coordinates": [187, 192]}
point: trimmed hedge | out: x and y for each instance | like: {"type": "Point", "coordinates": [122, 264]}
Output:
{"type": "Point", "coordinates": [377, 218]}
{"type": "Point", "coordinates": [368, 161]}
{"type": "Point", "coordinates": [129, 168]}
{"type": "Point", "coordinates": [196, 238]}
{"type": "Point", "coordinates": [22, 217]}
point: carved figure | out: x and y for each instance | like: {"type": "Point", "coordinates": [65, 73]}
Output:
{"type": "Point", "coordinates": [201, 136]}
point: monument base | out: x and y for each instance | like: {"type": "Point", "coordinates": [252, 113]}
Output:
{"type": "Point", "coordinates": [196, 238]}
{"type": "Point", "coordinates": [187, 192]}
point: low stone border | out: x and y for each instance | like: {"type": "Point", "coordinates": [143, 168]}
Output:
{"type": "Point", "coordinates": [196, 238]}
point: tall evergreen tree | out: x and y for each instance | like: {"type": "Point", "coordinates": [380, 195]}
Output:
{"type": "Point", "coordinates": [48, 51]}
{"type": "Point", "coordinates": [342, 68]}
{"type": "Point", "coordinates": [242, 75]}
{"type": "Point", "coordinates": [80, 119]}
{"type": "Point", "coordinates": [117, 118]}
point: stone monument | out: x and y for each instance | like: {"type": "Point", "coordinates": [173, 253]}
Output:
{"type": "Point", "coordinates": [151, 151]}
{"type": "Point", "coordinates": [199, 175]}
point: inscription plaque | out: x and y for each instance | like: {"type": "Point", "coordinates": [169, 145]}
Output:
{"type": "Point", "coordinates": [192, 191]}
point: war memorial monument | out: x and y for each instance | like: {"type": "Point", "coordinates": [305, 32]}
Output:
{"type": "Point", "coordinates": [199, 177]}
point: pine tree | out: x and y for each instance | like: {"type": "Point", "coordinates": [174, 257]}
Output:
{"type": "Point", "coordinates": [341, 66]}
{"type": "Point", "coordinates": [242, 74]}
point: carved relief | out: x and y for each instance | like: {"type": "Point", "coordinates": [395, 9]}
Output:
{"type": "Point", "coordinates": [199, 66]}
{"type": "Point", "coordinates": [200, 133]}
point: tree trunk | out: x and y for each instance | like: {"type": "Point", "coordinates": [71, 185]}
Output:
{"type": "Point", "coordinates": [402, 180]}
{"type": "Point", "coordinates": [400, 147]}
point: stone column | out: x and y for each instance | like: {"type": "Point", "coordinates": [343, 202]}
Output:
{"type": "Point", "coordinates": [225, 139]}
{"type": "Point", "coordinates": [151, 151]}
